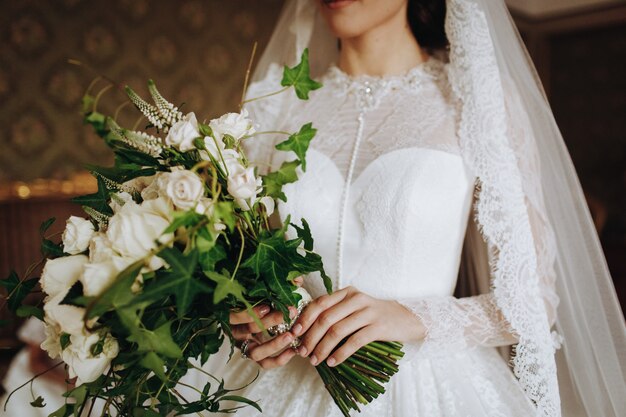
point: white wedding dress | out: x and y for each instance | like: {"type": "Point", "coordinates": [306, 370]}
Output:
{"type": "Point", "coordinates": [404, 221]}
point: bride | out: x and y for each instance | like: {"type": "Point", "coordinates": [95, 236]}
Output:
{"type": "Point", "coordinates": [437, 165]}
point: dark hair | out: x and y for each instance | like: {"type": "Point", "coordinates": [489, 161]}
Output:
{"type": "Point", "coordinates": [427, 19]}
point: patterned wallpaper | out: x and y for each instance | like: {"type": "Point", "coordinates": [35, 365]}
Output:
{"type": "Point", "coordinates": [195, 50]}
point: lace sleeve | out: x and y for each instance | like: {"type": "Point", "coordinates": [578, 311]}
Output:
{"type": "Point", "coordinates": [457, 323]}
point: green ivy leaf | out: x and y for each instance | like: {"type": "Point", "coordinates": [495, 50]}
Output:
{"type": "Point", "coordinates": [209, 257]}
{"type": "Point", "coordinates": [179, 279]}
{"type": "Point", "coordinates": [38, 402]}
{"type": "Point", "coordinates": [17, 290]}
{"type": "Point", "coordinates": [152, 362]}
{"type": "Point", "coordinates": [28, 311]}
{"type": "Point", "coordinates": [299, 77]}
{"type": "Point", "coordinates": [274, 181]}
{"type": "Point", "coordinates": [313, 259]}
{"type": "Point", "coordinates": [183, 219]}
{"type": "Point", "coordinates": [158, 340]}
{"type": "Point", "coordinates": [225, 287]}
{"type": "Point", "coordinates": [46, 225]}
{"type": "Point", "coordinates": [98, 201]}
{"type": "Point", "coordinates": [299, 143]}
{"type": "Point", "coordinates": [121, 172]}
{"type": "Point", "coordinates": [49, 249]}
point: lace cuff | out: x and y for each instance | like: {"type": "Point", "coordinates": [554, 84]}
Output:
{"type": "Point", "coordinates": [454, 324]}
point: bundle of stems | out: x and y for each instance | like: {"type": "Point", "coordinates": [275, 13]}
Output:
{"type": "Point", "coordinates": [360, 378]}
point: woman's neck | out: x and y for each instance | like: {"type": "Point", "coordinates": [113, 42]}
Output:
{"type": "Point", "coordinates": [388, 49]}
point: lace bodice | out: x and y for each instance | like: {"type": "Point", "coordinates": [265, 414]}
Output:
{"type": "Point", "coordinates": [388, 197]}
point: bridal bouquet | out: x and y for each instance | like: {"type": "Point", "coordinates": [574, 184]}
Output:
{"type": "Point", "coordinates": [176, 237]}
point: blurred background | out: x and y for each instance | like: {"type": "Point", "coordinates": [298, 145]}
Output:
{"type": "Point", "coordinates": [197, 52]}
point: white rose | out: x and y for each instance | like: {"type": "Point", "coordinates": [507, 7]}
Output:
{"type": "Point", "coordinates": [100, 248]}
{"type": "Point", "coordinates": [60, 274]}
{"type": "Point", "coordinates": [156, 187]}
{"type": "Point", "coordinates": [243, 186]}
{"type": "Point", "coordinates": [69, 318]}
{"type": "Point", "coordinates": [138, 184]}
{"type": "Point", "coordinates": [52, 342]}
{"type": "Point", "coordinates": [182, 133]}
{"type": "Point", "coordinates": [236, 125]}
{"type": "Point", "coordinates": [119, 200]}
{"type": "Point", "coordinates": [77, 234]}
{"type": "Point", "coordinates": [184, 188]}
{"type": "Point", "coordinates": [81, 362]}
{"type": "Point", "coordinates": [134, 230]}
{"type": "Point", "coordinates": [98, 276]}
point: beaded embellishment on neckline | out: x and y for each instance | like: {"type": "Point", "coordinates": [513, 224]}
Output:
{"type": "Point", "coordinates": [370, 88]}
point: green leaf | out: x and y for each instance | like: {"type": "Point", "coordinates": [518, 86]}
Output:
{"type": "Point", "coordinates": [98, 201]}
{"type": "Point", "coordinates": [49, 249]}
{"type": "Point", "coordinates": [17, 290]}
{"type": "Point", "coordinates": [208, 258]}
{"type": "Point", "coordinates": [121, 172]}
{"type": "Point", "coordinates": [304, 233]}
{"type": "Point", "coordinates": [118, 294]}
{"type": "Point", "coordinates": [28, 311]}
{"type": "Point", "coordinates": [224, 212]}
{"type": "Point", "coordinates": [38, 402]}
{"type": "Point", "coordinates": [64, 340]}
{"type": "Point", "coordinates": [274, 181]}
{"type": "Point", "coordinates": [299, 143]}
{"type": "Point", "coordinates": [277, 282]}
{"type": "Point", "coordinates": [240, 399]}
{"type": "Point", "coordinates": [183, 219]}
{"type": "Point", "coordinates": [158, 340]}
{"type": "Point", "coordinates": [299, 78]}
{"type": "Point", "coordinates": [314, 259]}
{"type": "Point", "coordinates": [152, 362]}
{"type": "Point", "coordinates": [46, 225]}
{"type": "Point", "coordinates": [225, 287]}
{"type": "Point", "coordinates": [179, 280]}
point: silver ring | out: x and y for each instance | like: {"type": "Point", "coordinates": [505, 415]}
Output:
{"type": "Point", "coordinates": [278, 329]}
{"type": "Point", "coordinates": [244, 348]}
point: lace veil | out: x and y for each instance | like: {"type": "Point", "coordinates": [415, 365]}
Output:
{"type": "Point", "coordinates": [530, 208]}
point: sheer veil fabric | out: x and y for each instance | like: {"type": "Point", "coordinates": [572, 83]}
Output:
{"type": "Point", "coordinates": [547, 272]}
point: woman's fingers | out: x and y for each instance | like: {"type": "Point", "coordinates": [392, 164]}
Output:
{"type": "Point", "coordinates": [337, 332]}
{"type": "Point", "coordinates": [315, 308]}
{"type": "Point", "coordinates": [354, 343]}
{"type": "Point", "coordinates": [240, 332]}
{"type": "Point", "coordinates": [271, 319]}
{"type": "Point", "coordinates": [326, 320]}
{"type": "Point", "coordinates": [259, 352]}
{"type": "Point", "coordinates": [242, 317]}
{"type": "Point", "coordinates": [279, 360]}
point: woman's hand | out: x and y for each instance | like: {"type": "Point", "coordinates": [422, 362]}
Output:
{"type": "Point", "coordinates": [244, 328]}
{"type": "Point", "coordinates": [348, 312]}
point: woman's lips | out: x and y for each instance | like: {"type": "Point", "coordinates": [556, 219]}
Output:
{"type": "Point", "coordinates": [337, 4]}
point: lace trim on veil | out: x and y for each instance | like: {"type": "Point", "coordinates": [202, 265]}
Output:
{"type": "Point", "coordinates": [501, 208]}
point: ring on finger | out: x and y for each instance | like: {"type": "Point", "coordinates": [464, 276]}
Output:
{"type": "Point", "coordinates": [244, 348]}
{"type": "Point", "coordinates": [278, 329]}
